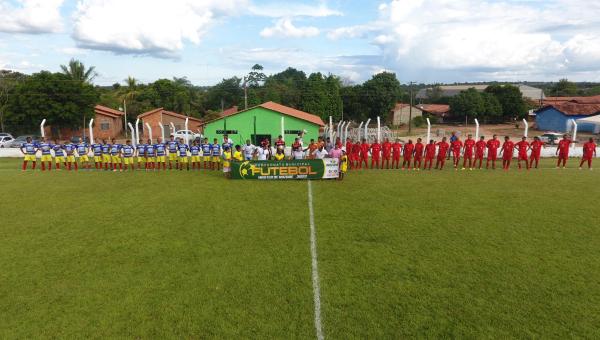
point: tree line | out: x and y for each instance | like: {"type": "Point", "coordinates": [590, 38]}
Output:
{"type": "Point", "coordinates": [67, 98]}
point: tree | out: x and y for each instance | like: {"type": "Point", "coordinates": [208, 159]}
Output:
{"type": "Point", "coordinates": [511, 100]}
{"type": "Point", "coordinates": [8, 81]}
{"type": "Point", "coordinates": [256, 76]}
{"type": "Point", "coordinates": [563, 88]}
{"type": "Point", "coordinates": [50, 95]}
{"type": "Point", "coordinates": [380, 94]}
{"type": "Point", "coordinates": [492, 110]}
{"type": "Point", "coordinates": [228, 93]}
{"type": "Point", "coordinates": [467, 104]}
{"type": "Point", "coordinates": [76, 70]}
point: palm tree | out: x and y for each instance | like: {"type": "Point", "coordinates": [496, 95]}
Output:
{"type": "Point", "coordinates": [76, 70]}
{"type": "Point", "coordinates": [131, 90]}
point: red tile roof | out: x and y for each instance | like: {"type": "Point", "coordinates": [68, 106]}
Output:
{"type": "Point", "coordinates": [107, 111]}
{"type": "Point", "coordinates": [435, 108]}
{"type": "Point", "coordinates": [230, 111]}
{"type": "Point", "coordinates": [575, 109]}
{"type": "Point", "coordinates": [581, 100]}
{"type": "Point", "coordinates": [170, 113]}
{"type": "Point", "coordinates": [284, 110]}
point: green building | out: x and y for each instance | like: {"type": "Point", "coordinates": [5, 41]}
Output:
{"type": "Point", "coordinates": [267, 120]}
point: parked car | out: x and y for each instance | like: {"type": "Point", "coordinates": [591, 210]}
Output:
{"type": "Point", "coordinates": [4, 134]}
{"type": "Point", "coordinates": [75, 139]}
{"type": "Point", "coordinates": [191, 134]}
{"type": "Point", "coordinates": [551, 138]}
{"type": "Point", "coordinates": [5, 141]}
{"type": "Point", "coordinates": [17, 142]}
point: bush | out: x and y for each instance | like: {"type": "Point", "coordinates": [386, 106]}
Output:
{"type": "Point", "coordinates": [418, 121]}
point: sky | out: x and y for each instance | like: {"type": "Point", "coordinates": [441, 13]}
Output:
{"type": "Point", "coordinates": [431, 41]}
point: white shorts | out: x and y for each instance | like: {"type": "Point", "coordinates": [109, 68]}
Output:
{"type": "Point", "coordinates": [226, 169]}
{"type": "Point", "coordinates": [298, 155]}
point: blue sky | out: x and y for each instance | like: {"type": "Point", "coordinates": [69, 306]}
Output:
{"type": "Point", "coordinates": [207, 40]}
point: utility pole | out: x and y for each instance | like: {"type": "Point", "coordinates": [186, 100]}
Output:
{"type": "Point", "coordinates": [410, 107]}
{"type": "Point", "coordinates": [245, 93]}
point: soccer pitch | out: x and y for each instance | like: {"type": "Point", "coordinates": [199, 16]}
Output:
{"type": "Point", "coordinates": [452, 254]}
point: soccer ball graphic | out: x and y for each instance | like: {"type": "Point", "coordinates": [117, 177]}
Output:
{"type": "Point", "coordinates": [245, 169]}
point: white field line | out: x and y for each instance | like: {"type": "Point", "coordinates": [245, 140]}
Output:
{"type": "Point", "coordinates": [315, 269]}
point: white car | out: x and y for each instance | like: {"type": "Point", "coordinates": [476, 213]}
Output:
{"type": "Point", "coordinates": [5, 141]}
{"type": "Point", "coordinates": [190, 134]}
{"type": "Point", "coordinates": [551, 138]}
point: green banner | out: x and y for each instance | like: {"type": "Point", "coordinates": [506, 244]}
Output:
{"type": "Point", "coordinates": [289, 169]}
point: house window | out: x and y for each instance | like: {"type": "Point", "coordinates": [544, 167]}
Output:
{"type": "Point", "coordinates": [104, 126]}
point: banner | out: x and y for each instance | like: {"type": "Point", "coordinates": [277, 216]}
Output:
{"type": "Point", "coordinates": [290, 169]}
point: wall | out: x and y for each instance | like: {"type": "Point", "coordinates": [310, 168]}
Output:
{"type": "Point", "coordinates": [551, 119]}
{"type": "Point", "coordinates": [402, 116]}
{"type": "Point", "coordinates": [267, 123]}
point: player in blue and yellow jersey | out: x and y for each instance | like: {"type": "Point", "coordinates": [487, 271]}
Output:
{"type": "Point", "coordinates": [46, 148]}
{"type": "Point", "coordinates": [227, 143]}
{"type": "Point", "coordinates": [161, 154]}
{"type": "Point", "coordinates": [82, 151]}
{"type": "Point", "coordinates": [70, 150]}
{"type": "Point", "coordinates": [127, 152]}
{"type": "Point", "coordinates": [150, 155]}
{"type": "Point", "coordinates": [140, 151]}
{"type": "Point", "coordinates": [29, 149]}
{"type": "Point", "coordinates": [105, 154]}
{"type": "Point", "coordinates": [97, 149]}
{"type": "Point", "coordinates": [195, 151]}
{"type": "Point", "coordinates": [216, 155]}
{"type": "Point", "coordinates": [59, 155]}
{"type": "Point", "coordinates": [172, 147]}
{"type": "Point", "coordinates": [115, 155]}
{"type": "Point", "coordinates": [182, 149]}
{"type": "Point", "coordinates": [206, 152]}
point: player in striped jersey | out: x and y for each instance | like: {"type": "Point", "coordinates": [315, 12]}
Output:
{"type": "Point", "coordinates": [150, 155]}
{"type": "Point", "coordinates": [172, 147]}
{"type": "Point", "coordinates": [206, 152]}
{"type": "Point", "coordinates": [140, 151]}
{"type": "Point", "coordinates": [183, 148]}
{"type": "Point", "coordinates": [127, 152]}
{"type": "Point", "coordinates": [105, 154]}
{"type": "Point", "coordinates": [46, 148]}
{"type": "Point", "coordinates": [29, 149]}
{"type": "Point", "coordinates": [195, 151]}
{"type": "Point", "coordinates": [70, 150]}
{"type": "Point", "coordinates": [115, 155]}
{"type": "Point", "coordinates": [59, 155]}
{"type": "Point", "coordinates": [161, 154]}
{"type": "Point", "coordinates": [82, 151]}
{"type": "Point", "coordinates": [97, 150]}
{"type": "Point", "coordinates": [216, 155]}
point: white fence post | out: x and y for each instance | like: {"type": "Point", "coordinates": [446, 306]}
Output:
{"type": "Point", "coordinates": [359, 130]}
{"type": "Point", "coordinates": [162, 131]}
{"type": "Point", "coordinates": [187, 135]}
{"type": "Point", "coordinates": [526, 127]}
{"type": "Point", "coordinates": [346, 129]}
{"type": "Point", "coordinates": [476, 129]}
{"type": "Point", "coordinates": [133, 136]}
{"type": "Point", "coordinates": [137, 129]}
{"type": "Point", "coordinates": [574, 132]}
{"type": "Point", "coordinates": [331, 128]}
{"type": "Point", "coordinates": [149, 131]}
{"type": "Point", "coordinates": [429, 131]}
{"type": "Point", "coordinates": [172, 128]}
{"type": "Point", "coordinates": [378, 129]}
{"type": "Point", "coordinates": [42, 132]}
{"type": "Point", "coordinates": [91, 130]}
{"type": "Point", "coordinates": [367, 129]}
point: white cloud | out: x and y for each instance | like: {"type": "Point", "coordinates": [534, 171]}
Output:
{"type": "Point", "coordinates": [30, 16]}
{"type": "Point", "coordinates": [284, 28]}
{"type": "Point", "coordinates": [287, 10]}
{"type": "Point", "coordinates": [147, 27]}
{"type": "Point", "coordinates": [434, 40]}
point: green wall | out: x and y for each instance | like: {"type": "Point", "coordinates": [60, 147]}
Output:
{"type": "Point", "coordinates": [267, 123]}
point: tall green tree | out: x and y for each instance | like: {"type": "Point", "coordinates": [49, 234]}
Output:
{"type": "Point", "coordinates": [228, 92]}
{"type": "Point", "coordinates": [76, 70]}
{"type": "Point", "coordinates": [511, 100]}
{"type": "Point", "coordinates": [564, 87]}
{"type": "Point", "coordinates": [379, 94]}
{"type": "Point", "coordinates": [467, 104]}
{"type": "Point", "coordinates": [52, 96]}
{"type": "Point", "coordinates": [8, 82]}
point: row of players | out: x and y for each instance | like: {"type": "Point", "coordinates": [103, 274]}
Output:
{"type": "Point", "coordinates": [472, 152]}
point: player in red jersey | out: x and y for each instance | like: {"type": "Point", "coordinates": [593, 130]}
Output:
{"type": "Point", "coordinates": [355, 156]}
{"type": "Point", "coordinates": [396, 151]}
{"type": "Point", "coordinates": [387, 153]}
{"type": "Point", "coordinates": [349, 146]}
{"type": "Point", "coordinates": [409, 149]}
{"type": "Point", "coordinates": [364, 154]}
{"type": "Point", "coordinates": [479, 151]}
{"type": "Point", "coordinates": [522, 146]}
{"type": "Point", "coordinates": [468, 152]}
{"type": "Point", "coordinates": [536, 151]}
{"type": "Point", "coordinates": [429, 154]}
{"type": "Point", "coordinates": [507, 152]}
{"type": "Point", "coordinates": [589, 152]}
{"type": "Point", "coordinates": [563, 151]}
{"type": "Point", "coordinates": [456, 147]}
{"type": "Point", "coordinates": [443, 148]}
{"type": "Point", "coordinates": [492, 146]}
{"type": "Point", "coordinates": [375, 154]}
{"type": "Point", "coordinates": [419, 147]}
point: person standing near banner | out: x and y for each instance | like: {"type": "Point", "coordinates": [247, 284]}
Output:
{"type": "Point", "coordinates": [589, 152]}
{"type": "Point", "coordinates": [321, 153]}
{"type": "Point", "coordinates": [227, 162]}
{"type": "Point", "coordinates": [249, 149]}
{"type": "Point", "coordinates": [263, 153]}
{"type": "Point", "coordinates": [343, 165]}
{"type": "Point", "coordinates": [297, 152]}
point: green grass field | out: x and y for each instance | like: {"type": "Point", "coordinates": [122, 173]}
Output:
{"type": "Point", "coordinates": [481, 254]}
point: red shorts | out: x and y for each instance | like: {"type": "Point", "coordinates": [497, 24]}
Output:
{"type": "Point", "coordinates": [492, 156]}
{"type": "Point", "coordinates": [364, 156]}
{"type": "Point", "coordinates": [563, 156]}
{"type": "Point", "coordinates": [386, 156]}
{"type": "Point", "coordinates": [588, 157]}
{"type": "Point", "coordinates": [408, 158]}
{"type": "Point", "coordinates": [535, 156]}
{"type": "Point", "coordinates": [429, 157]}
{"type": "Point", "coordinates": [396, 157]}
{"type": "Point", "coordinates": [522, 157]}
{"type": "Point", "coordinates": [507, 157]}
{"type": "Point", "coordinates": [418, 158]}
{"type": "Point", "coordinates": [456, 154]}
{"type": "Point", "coordinates": [479, 156]}
{"type": "Point", "coordinates": [375, 157]}
{"type": "Point", "coordinates": [468, 155]}
{"type": "Point", "coordinates": [441, 158]}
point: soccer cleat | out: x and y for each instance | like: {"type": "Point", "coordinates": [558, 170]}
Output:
{"type": "Point", "coordinates": [463, 169]}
